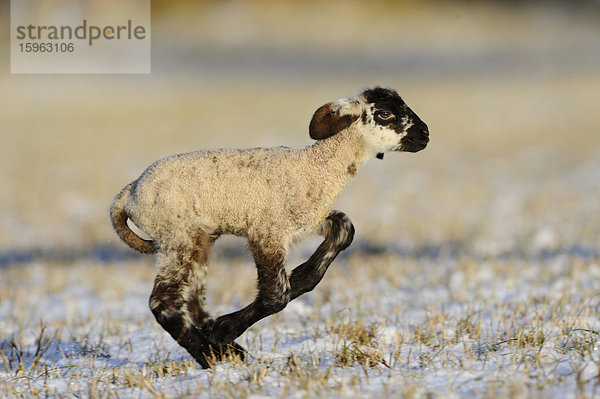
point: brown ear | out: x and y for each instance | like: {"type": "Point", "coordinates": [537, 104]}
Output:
{"type": "Point", "coordinates": [326, 122]}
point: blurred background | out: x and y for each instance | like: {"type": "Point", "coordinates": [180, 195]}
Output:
{"type": "Point", "coordinates": [509, 89]}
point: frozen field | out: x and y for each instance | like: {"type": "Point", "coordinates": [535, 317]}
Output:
{"type": "Point", "coordinates": [475, 270]}
{"type": "Point", "coordinates": [420, 326]}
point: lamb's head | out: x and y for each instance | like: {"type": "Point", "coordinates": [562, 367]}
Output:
{"type": "Point", "coordinates": [378, 115]}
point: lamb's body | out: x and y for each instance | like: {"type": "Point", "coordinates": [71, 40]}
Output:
{"type": "Point", "coordinates": [271, 196]}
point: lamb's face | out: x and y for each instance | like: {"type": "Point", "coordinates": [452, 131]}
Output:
{"type": "Point", "coordinates": [381, 117]}
{"type": "Point", "coordinates": [389, 124]}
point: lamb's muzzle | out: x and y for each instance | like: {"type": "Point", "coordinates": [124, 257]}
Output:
{"type": "Point", "coordinates": [273, 197]}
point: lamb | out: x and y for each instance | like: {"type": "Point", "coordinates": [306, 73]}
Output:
{"type": "Point", "coordinates": [274, 197]}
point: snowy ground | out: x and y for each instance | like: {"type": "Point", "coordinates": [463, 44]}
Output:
{"type": "Point", "coordinates": [475, 270]}
{"type": "Point", "coordinates": [441, 326]}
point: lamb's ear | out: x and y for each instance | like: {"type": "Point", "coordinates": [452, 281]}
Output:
{"type": "Point", "coordinates": [326, 122]}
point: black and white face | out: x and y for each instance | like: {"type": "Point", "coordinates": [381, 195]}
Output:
{"type": "Point", "coordinates": [395, 127]}
{"type": "Point", "coordinates": [380, 117]}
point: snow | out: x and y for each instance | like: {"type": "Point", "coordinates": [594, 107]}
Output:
{"type": "Point", "coordinates": [471, 336]}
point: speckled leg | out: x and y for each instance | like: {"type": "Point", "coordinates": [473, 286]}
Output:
{"type": "Point", "coordinates": [177, 300]}
{"type": "Point", "coordinates": [338, 232]}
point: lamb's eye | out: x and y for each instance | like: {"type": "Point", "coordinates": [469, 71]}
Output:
{"type": "Point", "coordinates": [384, 116]}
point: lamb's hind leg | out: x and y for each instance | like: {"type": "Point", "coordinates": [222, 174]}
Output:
{"type": "Point", "coordinates": [177, 300]}
{"type": "Point", "coordinates": [338, 232]}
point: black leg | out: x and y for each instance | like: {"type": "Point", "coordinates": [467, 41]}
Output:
{"type": "Point", "coordinates": [338, 232]}
{"type": "Point", "coordinates": [275, 290]}
{"type": "Point", "coordinates": [273, 296]}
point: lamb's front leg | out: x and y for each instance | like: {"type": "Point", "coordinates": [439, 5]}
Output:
{"type": "Point", "coordinates": [275, 290]}
{"type": "Point", "coordinates": [338, 232]}
{"type": "Point", "coordinates": [273, 295]}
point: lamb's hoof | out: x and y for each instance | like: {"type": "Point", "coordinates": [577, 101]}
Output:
{"type": "Point", "coordinates": [231, 351]}
{"type": "Point", "coordinates": [203, 361]}
{"type": "Point", "coordinates": [217, 353]}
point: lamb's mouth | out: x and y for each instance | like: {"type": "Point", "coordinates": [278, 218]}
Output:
{"type": "Point", "coordinates": [413, 145]}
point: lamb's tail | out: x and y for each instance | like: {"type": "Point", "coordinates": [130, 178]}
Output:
{"type": "Point", "coordinates": [118, 217]}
